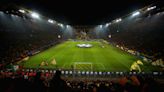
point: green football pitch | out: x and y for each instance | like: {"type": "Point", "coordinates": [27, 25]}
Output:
{"type": "Point", "coordinates": [100, 57]}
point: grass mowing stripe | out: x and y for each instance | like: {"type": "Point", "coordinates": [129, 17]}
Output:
{"type": "Point", "coordinates": [106, 58]}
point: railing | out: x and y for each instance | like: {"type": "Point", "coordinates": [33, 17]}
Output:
{"type": "Point", "coordinates": [82, 73]}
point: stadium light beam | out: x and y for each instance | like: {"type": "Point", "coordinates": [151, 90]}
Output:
{"type": "Point", "coordinates": [107, 24]}
{"type": "Point", "coordinates": [50, 21]}
{"type": "Point", "coordinates": [136, 13]}
{"type": "Point", "coordinates": [151, 8]}
{"type": "Point", "coordinates": [1, 12]}
{"type": "Point", "coordinates": [100, 26]}
{"type": "Point", "coordinates": [61, 25]}
{"type": "Point", "coordinates": [118, 20]}
{"type": "Point", "coordinates": [22, 11]}
{"type": "Point", "coordinates": [35, 15]}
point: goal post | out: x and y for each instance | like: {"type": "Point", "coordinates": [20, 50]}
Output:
{"type": "Point", "coordinates": [83, 66]}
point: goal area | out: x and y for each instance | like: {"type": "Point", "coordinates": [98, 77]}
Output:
{"type": "Point", "coordinates": [83, 66]}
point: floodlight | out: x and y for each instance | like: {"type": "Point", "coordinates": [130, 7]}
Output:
{"type": "Point", "coordinates": [61, 25]}
{"type": "Point", "coordinates": [50, 21]}
{"type": "Point", "coordinates": [151, 8]}
{"type": "Point", "coordinates": [136, 13]}
{"type": "Point", "coordinates": [22, 11]}
{"type": "Point", "coordinates": [35, 15]}
{"type": "Point", "coordinates": [118, 20]}
{"type": "Point", "coordinates": [107, 24]}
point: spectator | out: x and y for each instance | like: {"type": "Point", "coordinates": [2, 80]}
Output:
{"type": "Point", "coordinates": [57, 84]}
{"type": "Point", "coordinates": [38, 84]}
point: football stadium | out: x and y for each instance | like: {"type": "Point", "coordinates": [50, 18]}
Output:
{"type": "Point", "coordinates": [82, 47]}
{"type": "Point", "coordinates": [98, 56]}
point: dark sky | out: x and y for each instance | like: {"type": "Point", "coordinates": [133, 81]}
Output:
{"type": "Point", "coordinates": [82, 12]}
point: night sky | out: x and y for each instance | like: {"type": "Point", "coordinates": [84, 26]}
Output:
{"type": "Point", "coordinates": [82, 12]}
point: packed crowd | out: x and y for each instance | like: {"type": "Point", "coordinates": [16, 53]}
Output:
{"type": "Point", "coordinates": [50, 82]}
{"type": "Point", "coordinates": [20, 41]}
{"type": "Point", "coordinates": [34, 38]}
{"type": "Point", "coordinates": [143, 34]}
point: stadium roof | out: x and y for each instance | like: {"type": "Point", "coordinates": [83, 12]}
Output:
{"type": "Point", "coordinates": [82, 12]}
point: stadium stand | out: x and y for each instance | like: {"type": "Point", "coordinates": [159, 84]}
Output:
{"type": "Point", "coordinates": [145, 32]}
{"type": "Point", "coordinates": [146, 36]}
{"type": "Point", "coordinates": [50, 82]}
{"type": "Point", "coordinates": [32, 37]}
